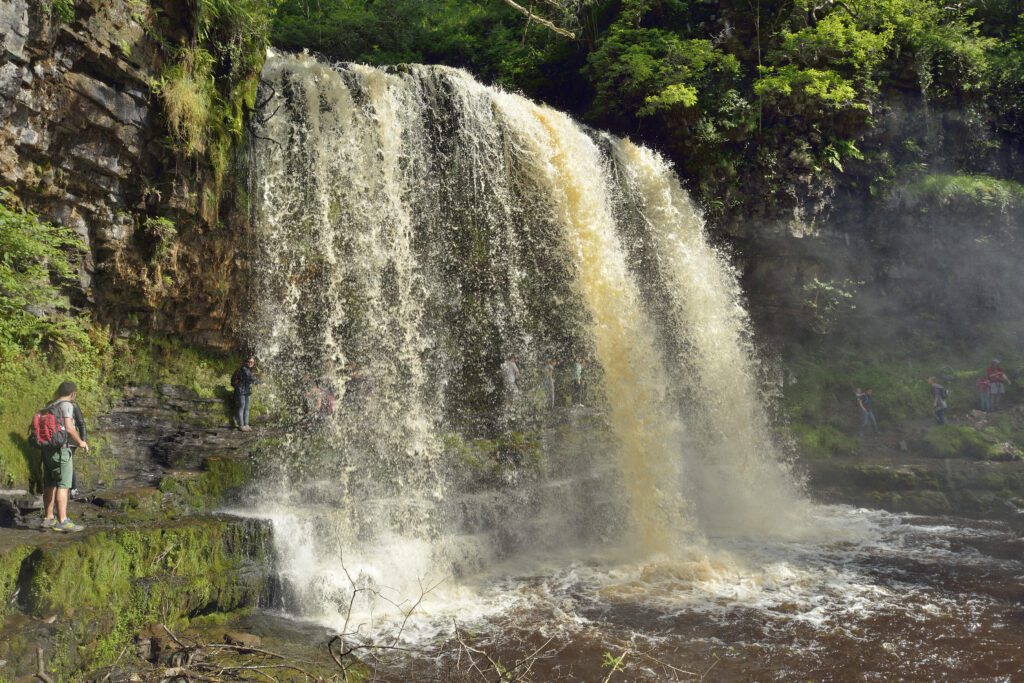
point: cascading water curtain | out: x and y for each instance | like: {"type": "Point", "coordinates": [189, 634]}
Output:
{"type": "Point", "coordinates": [414, 231]}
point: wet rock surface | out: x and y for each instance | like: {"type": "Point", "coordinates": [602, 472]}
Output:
{"type": "Point", "coordinates": [168, 427]}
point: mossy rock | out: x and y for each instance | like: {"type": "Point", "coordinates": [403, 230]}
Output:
{"type": "Point", "coordinates": [211, 488]}
{"type": "Point", "coordinates": [103, 587]}
{"type": "Point", "coordinates": [955, 441]}
{"type": "Point", "coordinates": [822, 440]}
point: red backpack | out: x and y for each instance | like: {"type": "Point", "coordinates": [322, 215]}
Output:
{"type": "Point", "coordinates": [47, 429]}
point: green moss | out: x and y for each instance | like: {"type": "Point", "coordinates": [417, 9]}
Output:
{"type": "Point", "coordinates": [822, 440]}
{"type": "Point", "coordinates": [955, 441]}
{"type": "Point", "coordinates": [964, 189]}
{"type": "Point", "coordinates": [209, 489]}
{"type": "Point", "coordinates": [118, 582]}
{"type": "Point", "coordinates": [10, 567]}
{"type": "Point", "coordinates": [488, 459]}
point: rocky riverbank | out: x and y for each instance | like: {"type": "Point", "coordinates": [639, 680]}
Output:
{"type": "Point", "coordinates": [971, 467]}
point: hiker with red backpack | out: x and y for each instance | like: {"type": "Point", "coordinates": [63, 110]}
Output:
{"type": "Point", "coordinates": [54, 432]}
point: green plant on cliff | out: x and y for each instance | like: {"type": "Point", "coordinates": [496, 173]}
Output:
{"type": "Point", "coordinates": [210, 85]}
{"type": "Point", "coordinates": [967, 189]}
{"type": "Point", "coordinates": [62, 9]}
{"type": "Point", "coordinates": [35, 262]}
{"type": "Point", "coordinates": [188, 92]}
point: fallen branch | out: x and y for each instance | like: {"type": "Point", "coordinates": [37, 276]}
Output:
{"type": "Point", "coordinates": [550, 25]}
{"type": "Point", "coordinates": [40, 666]}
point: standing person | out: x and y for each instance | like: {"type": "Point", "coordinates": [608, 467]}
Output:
{"type": "Point", "coordinates": [985, 393]}
{"type": "Point", "coordinates": [997, 380]}
{"type": "Point", "coordinates": [865, 401]}
{"type": "Point", "coordinates": [243, 380]}
{"type": "Point", "coordinates": [549, 383]}
{"type": "Point", "coordinates": [58, 463]}
{"type": "Point", "coordinates": [939, 400]}
{"type": "Point", "coordinates": [510, 377]}
{"type": "Point", "coordinates": [577, 382]}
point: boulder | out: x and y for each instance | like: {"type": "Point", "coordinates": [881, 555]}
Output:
{"type": "Point", "coordinates": [243, 640]}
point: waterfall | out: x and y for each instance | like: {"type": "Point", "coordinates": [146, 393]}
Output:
{"type": "Point", "coordinates": [413, 231]}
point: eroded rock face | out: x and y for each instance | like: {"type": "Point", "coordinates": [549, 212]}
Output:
{"type": "Point", "coordinates": [82, 143]}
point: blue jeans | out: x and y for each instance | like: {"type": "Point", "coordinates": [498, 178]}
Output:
{"type": "Point", "coordinates": [868, 418]}
{"type": "Point", "coordinates": [986, 402]}
{"type": "Point", "coordinates": [242, 410]}
{"type": "Point", "coordinates": [940, 415]}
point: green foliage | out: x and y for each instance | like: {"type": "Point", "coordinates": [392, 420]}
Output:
{"type": "Point", "coordinates": [163, 233]}
{"type": "Point", "coordinates": [188, 92]}
{"type": "Point", "coordinates": [157, 360]}
{"type": "Point", "coordinates": [827, 300]}
{"type": "Point", "coordinates": [10, 568]}
{"type": "Point", "coordinates": [209, 490]}
{"type": "Point", "coordinates": [837, 42]}
{"type": "Point", "coordinates": [210, 84]}
{"type": "Point", "coordinates": [652, 71]}
{"type": "Point", "coordinates": [62, 9]}
{"type": "Point", "coordinates": [819, 440]}
{"type": "Point", "coordinates": [1007, 78]}
{"type": "Point", "coordinates": [35, 261]}
{"type": "Point", "coordinates": [806, 88]}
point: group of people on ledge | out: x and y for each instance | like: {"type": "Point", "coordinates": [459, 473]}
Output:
{"type": "Point", "coordinates": [511, 376]}
{"type": "Point", "coordinates": [991, 390]}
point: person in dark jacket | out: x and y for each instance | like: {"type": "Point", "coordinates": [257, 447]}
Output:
{"type": "Point", "coordinates": [243, 380]}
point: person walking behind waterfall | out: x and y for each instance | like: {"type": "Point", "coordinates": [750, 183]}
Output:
{"type": "Point", "coordinates": [939, 400]}
{"type": "Point", "coordinates": [243, 381]}
{"type": "Point", "coordinates": [58, 463]}
{"type": "Point", "coordinates": [865, 401]}
{"type": "Point", "coordinates": [997, 383]}
{"type": "Point", "coordinates": [510, 378]}
{"type": "Point", "coordinates": [549, 384]}
{"type": "Point", "coordinates": [578, 386]}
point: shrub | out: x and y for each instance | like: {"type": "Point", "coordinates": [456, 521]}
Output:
{"type": "Point", "coordinates": [35, 261]}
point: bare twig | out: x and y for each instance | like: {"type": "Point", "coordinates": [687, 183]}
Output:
{"type": "Point", "coordinates": [114, 665]}
{"type": "Point", "coordinates": [252, 650]}
{"type": "Point", "coordinates": [174, 638]}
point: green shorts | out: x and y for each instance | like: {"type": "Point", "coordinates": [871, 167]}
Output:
{"type": "Point", "coordinates": [58, 468]}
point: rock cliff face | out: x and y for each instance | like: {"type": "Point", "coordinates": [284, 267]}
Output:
{"type": "Point", "coordinates": [83, 143]}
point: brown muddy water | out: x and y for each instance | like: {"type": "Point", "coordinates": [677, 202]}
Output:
{"type": "Point", "coordinates": [870, 596]}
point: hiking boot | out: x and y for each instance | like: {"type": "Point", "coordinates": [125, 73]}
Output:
{"type": "Point", "coordinates": [48, 523]}
{"type": "Point", "coordinates": [67, 525]}
{"type": "Point", "coordinates": [246, 428]}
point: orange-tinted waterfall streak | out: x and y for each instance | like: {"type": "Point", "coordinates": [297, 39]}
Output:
{"type": "Point", "coordinates": [745, 482]}
{"type": "Point", "coordinates": [633, 375]}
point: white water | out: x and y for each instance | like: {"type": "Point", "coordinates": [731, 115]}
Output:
{"type": "Point", "coordinates": [425, 227]}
